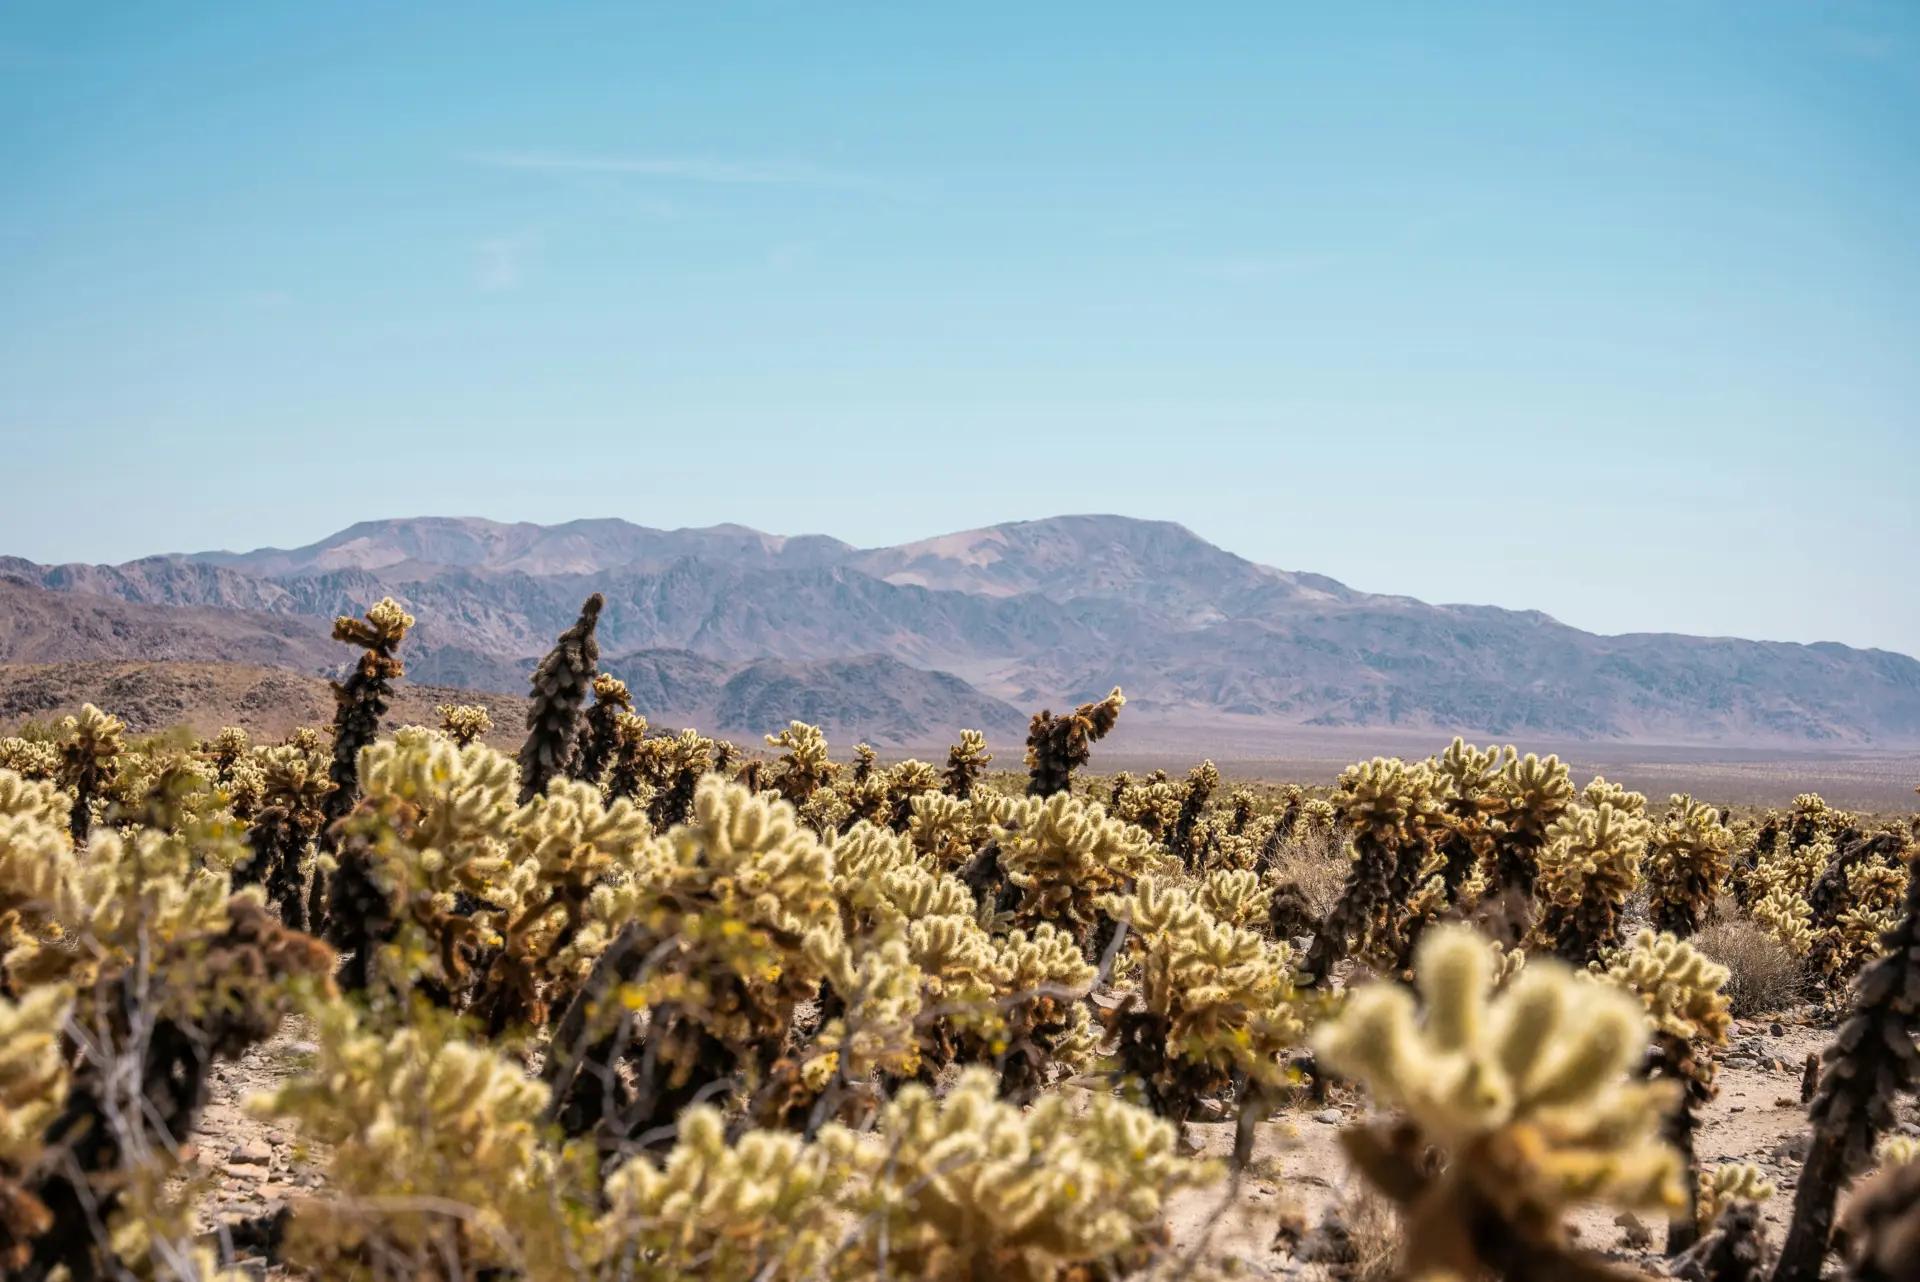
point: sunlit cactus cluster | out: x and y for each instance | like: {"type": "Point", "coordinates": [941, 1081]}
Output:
{"type": "Point", "coordinates": [634, 1002]}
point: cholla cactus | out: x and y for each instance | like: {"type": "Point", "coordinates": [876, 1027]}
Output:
{"type": "Point", "coordinates": [30, 758]}
{"type": "Point", "coordinates": [1472, 800]}
{"type": "Point", "coordinates": [431, 830]}
{"type": "Point", "coordinates": [1392, 811]}
{"type": "Point", "coordinates": [559, 688]}
{"type": "Point", "coordinates": [970, 1187]}
{"type": "Point", "coordinates": [769, 1205]}
{"type": "Point", "coordinates": [560, 847]}
{"type": "Point", "coordinates": [436, 1167]}
{"type": "Point", "coordinates": [716, 919]}
{"type": "Point", "coordinates": [361, 700]}
{"type": "Point", "coordinates": [1151, 805]}
{"type": "Point", "coordinates": [90, 747]}
{"type": "Point", "coordinates": [1683, 993]}
{"type": "Point", "coordinates": [1236, 896]}
{"type": "Point", "coordinates": [1895, 1150]}
{"type": "Point", "coordinates": [1786, 916]}
{"type": "Point", "coordinates": [1589, 868]}
{"type": "Point", "coordinates": [1530, 1095]}
{"type": "Point", "coordinates": [1867, 909]}
{"type": "Point", "coordinates": [153, 1017]}
{"type": "Point", "coordinates": [288, 817]}
{"type": "Point", "coordinates": [77, 918]}
{"type": "Point", "coordinates": [1202, 780]}
{"type": "Point", "coordinates": [1880, 1231]}
{"type": "Point", "coordinates": [864, 760]}
{"type": "Point", "coordinates": [1534, 793]}
{"type": "Point", "coordinates": [905, 781]}
{"type": "Point", "coordinates": [600, 728]}
{"type": "Point", "coordinates": [37, 870]}
{"type": "Point", "coordinates": [1832, 894]}
{"type": "Point", "coordinates": [464, 722]}
{"type": "Point", "coordinates": [678, 763]}
{"type": "Point", "coordinates": [1063, 853]}
{"type": "Point", "coordinates": [1872, 1059]}
{"type": "Point", "coordinates": [1215, 1001]}
{"type": "Point", "coordinates": [1735, 1249]}
{"type": "Point", "coordinates": [952, 831]}
{"type": "Point", "coordinates": [1726, 1185]}
{"type": "Point", "coordinates": [1689, 856]}
{"type": "Point", "coordinates": [226, 749]}
{"type": "Point", "coordinates": [33, 1088]}
{"type": "Point", "coordinates": [1057, 746]}
{"type": "Point", "coordinates": [1813, 818]}
{"type": "Point", "coordinates": [631, 775]}
{"type": "Point", "coordinates": [966, 762]}
{"type": "Point", "coordinates": [804, 765]}
{"type": "Point", "coordinates": [1041, 982]}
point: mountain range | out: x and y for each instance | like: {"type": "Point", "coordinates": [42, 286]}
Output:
{"type": "Point", "coordinates": [904, 644]}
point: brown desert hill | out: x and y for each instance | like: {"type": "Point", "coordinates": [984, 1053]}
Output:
{"type": "Point", "coordinates": [876, 700]}
{"type": "Point", "coordinates": [1043, 612]}
{"type": "Point", "coordinates": [42, 626]}
{"type": "Point", "coordinates": [267, 702]}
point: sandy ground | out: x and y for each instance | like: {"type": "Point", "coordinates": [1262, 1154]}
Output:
{"type": "Point", "coordinates": [1298, 1177]}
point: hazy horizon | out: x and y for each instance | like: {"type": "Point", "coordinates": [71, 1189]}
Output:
{"type": "Point", "coordinates": [1605, 311]}
{"type": "Point", "coordinates": [1382, 590]}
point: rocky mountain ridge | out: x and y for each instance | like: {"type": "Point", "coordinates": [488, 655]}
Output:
{"type": "Point", "coordinates": [1032, 613]}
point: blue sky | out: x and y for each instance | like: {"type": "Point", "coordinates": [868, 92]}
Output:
{"type": "Point", "coordinates": [1603, 309]}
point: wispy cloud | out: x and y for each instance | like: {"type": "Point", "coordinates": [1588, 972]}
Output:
{"type": "Point", "coordinates": [742, 173]}
{"type": "Point", "coordinates": [501, 262]}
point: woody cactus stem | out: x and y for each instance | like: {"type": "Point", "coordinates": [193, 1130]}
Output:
{"type": "Point", "coordinates": [1057, 746]}
{"type": "Point", "coordinates": [88, 763]}
{"type": "Point", "coordinates": [559, 687]}
{"type": "Point", "coordinates": [360, 701]}
{"type": "Point", "coordinates": [1872, 1059]}
{"type": "Point", "coordinates": [1201, 782]}
{"type": "Point", "coordinates": [600, 728]}
{"type": "Point", "coordinates": [966, 762]}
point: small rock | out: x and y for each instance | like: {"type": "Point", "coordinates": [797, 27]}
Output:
{"type": "Point", "coordinates": [1791, 1149]}
{"type": "Point", "coordinates": [1330, 1116]}
{"type": "Point", "coordinates": [1638, 1236]}
{"type": "Point", "coordinates": [1777, 1029]}
{"type": "Point", "coordinates": [255, 1152]}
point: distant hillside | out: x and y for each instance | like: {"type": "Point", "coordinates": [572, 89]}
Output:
{"type": "Point", "coordinates": [41, 626]}
{"type": "Point", "coordinates": [1022, 615]}
{"type": "Point", "coordinates": [875, 699]}
{"type": "Point", "coordinates": [268, 702]}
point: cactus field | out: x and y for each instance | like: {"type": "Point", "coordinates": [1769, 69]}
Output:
{"type": "Point", "coordinates": [375, 1000]}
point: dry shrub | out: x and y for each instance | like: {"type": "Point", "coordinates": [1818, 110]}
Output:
{"type": "Point", "coordinates": [1357, 1240]}
{"type": "Point", "coordinates": [1765, 976]}
{"type": "Point", "coordinates": [1315, 861]}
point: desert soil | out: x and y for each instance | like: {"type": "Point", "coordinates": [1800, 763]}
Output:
{"type": "Point", "coordinates": [1275, 1225]}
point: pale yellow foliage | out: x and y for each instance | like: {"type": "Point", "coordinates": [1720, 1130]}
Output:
{"type": "Point", "coordinates": [435, 1157]}
{"type": "Point", "coordinates": [1726, 1184]}
{"type": "Point", "coordinates": [971, 1187]}
{"type": "Point", "coordinates": [1533, 1094]}
{"type": "Point", "coordinates": [1063, 852]}
{"type": "Point", "coordinates": [33, 1074]}
{"type": "Point", "coordinates": [1680, 987]}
